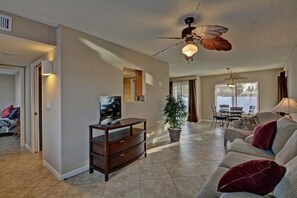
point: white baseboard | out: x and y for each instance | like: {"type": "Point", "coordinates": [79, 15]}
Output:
{"type": "Point", "coordinates": [205, 120]}
{"type": "Point", "coordinates": [28, 148]}
{"type": "Point", "coordinates": [75, 172]}
{"type": "Point", "coordinates": [66, 175]}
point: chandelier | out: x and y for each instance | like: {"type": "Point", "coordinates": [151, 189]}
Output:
{"type": "Point", "coordinates": [232, 78]}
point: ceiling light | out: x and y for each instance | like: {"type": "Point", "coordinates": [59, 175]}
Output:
{"type": "Point", "coordinates": [189, 50]}
{"type": "Point", "coordinates": [232, 78]}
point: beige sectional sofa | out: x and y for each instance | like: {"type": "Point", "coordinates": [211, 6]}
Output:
{"type": "Point", "coordinates": [283, 152]}
{"type": "Point", "coordinates": [238, 131]}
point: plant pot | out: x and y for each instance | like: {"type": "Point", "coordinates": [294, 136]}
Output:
{"type": "Point", "coordinates": [174, 134]}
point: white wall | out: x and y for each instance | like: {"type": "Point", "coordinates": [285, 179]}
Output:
{"type": "Point", "coordinates": [291, 68]}
{"type": "Point", "coordinates": [88, 68]}
{"type": "Point", "coordinates": [7, 91]}
{"type": "Point", "coordinates": [267, 88]}
{"type": "Point", "coordinates": [18, 90]}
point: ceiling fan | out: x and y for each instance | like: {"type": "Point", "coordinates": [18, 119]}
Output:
{"type": "Point", "coordinates": [208, 36]}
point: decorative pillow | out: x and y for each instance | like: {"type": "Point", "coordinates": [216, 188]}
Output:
{"type": "Point", "coordinates": [6, 112]}
{"type": "Point", "coordinates": [287, 187]}
{"type": "Point", "coordinates": [285, 128]}
{"type": "Point", "coordinates": [264, 135]}
{"type": "Point", "coordinates": [289, 151]}
{"type": "Point", "coordinates": [15, 113]}
{"type": "Point", "coordinates": [255, 176]}
{"type": "Point", "coordinates": [249, 123]}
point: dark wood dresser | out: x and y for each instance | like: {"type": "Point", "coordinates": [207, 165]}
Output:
{"type": "Point", "coordinates": [120, 145]}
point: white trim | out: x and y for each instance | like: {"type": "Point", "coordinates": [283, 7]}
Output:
{"type": "Point", "coordinates": [205, 120]}
{"type": "Point", "coordinates": [50, 168]}
{"type": "Point", "coordinates": [75, 172]}
{"type": "Point", "coordinates": [66, 175]}
{"type": "Point", "coordinates": [34, 137]}
{"type": "Point", "coordinates": [28, 148]}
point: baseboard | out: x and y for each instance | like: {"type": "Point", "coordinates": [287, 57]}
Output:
{"type": "Point", "coordinates": [28, 148]}
{"type": "Point", "coordinates": [75, 172]}
{"type": "Point", "coordinates": [205, 120]}
{"type": "Point", "coordinates": [50, 168]}
{"type": "Point", "coordinates": [66, 175]}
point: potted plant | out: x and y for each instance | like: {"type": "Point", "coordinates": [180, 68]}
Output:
{"type": "Point", "coordinates": [175, 112]}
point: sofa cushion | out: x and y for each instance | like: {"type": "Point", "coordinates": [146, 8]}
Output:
{"type": "Point", "coordinates": [255, 176]}
{"type": "Point", "coordinates": [285, 128]}
{"type": "Point", "coordinates": [249, 123]}
{"type": "Point", "coordinates": [6, 112]}
{"type": "Point", "coordinates": [209, 189]}
{"type": "Point", "coordinates": [289, 151]}
{"type": "Point", "coordinates": [232, 134]}
{"type": "Point", "coordinates": [232, 159]}
{"type": "Point", "coordinates": [265, 117]}
{"type": "Point", "coordinates": [264, 135]}
{"type": "Point", "coordinates": [244, 147]}
{"type": "Point", "coordinates": [287, 187]}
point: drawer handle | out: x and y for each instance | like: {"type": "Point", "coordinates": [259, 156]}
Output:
{"type": "Point", "coordinates": [122, 155]}
{"type": "Point", "coordinates": [122, 141]}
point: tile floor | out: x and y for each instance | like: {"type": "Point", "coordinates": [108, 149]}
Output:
{"type": "Point", "coordinates": [170, 170]}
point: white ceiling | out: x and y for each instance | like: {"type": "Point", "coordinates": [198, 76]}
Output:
{"type": "Point", "coordinates": [20, 52]}
{"type": "Point", "coordinates": [262, 32]}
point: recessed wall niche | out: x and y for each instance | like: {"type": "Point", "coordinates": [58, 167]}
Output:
{"type": "Point", "coordinates": [133, 85]}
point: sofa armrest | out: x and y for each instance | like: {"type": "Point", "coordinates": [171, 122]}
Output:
{"type": "Point", "coordinates": [240, 195]}
{"type": "Point", "coordinates": [236, 124]}
{"type": "Point", "coordinates": [249, 139]}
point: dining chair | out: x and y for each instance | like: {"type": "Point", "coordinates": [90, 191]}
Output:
{"type": "Point", "coordinates": [224, 108]}
{"type": "Point", "coordinates": [234, 114]}
{"type": "Point", "coordinates": [251, 110]}
{"type": "Point", "coordinates": [217, 117]}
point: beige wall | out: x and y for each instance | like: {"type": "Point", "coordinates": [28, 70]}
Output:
{"type": "Point", "coordinates": [32, 30]}
{"type": "Point", "coordinates": [267, 83]}
{"type": "Point", "coordinates": [91, 67]}
{"type": "Point", "coordinates": [291, 67]}
{"type": "Point", "coordinates": [7, 91]}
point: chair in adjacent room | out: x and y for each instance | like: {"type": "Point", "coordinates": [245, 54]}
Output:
{"type": "Point", "coordinates": [234, 114]}
{"type": "Point", "coordinates": [217, 117]}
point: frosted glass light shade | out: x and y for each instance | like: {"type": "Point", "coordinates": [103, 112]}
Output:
{"type": "Point", "coordinates": [189, 50]}
{"type": "Point", "coordinates": [46, 68]}
{"type": "Point", "coordinates": [286, 105]}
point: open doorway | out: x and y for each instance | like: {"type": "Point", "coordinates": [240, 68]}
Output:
{"type": "Point", "coordinates": [12, 119]}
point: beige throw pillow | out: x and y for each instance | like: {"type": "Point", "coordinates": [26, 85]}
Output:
{"type": "Point", "coordinates": [287, 187]}
{"type": "Point", "coordinates": [285, 128]}
{"type": "Point", "coordinates": [289, 151]}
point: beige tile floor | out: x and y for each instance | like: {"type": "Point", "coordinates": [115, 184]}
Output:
{"type": "Point", "coordinates": [170, 170]}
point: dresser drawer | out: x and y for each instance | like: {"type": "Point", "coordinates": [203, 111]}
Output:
{"type": "Point", "coordinates": [126, 156]}
{"type": "Point", "coordinates": [126, 143]}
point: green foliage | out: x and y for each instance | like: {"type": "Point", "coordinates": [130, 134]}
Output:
{"type": "Point", "coordinates": [175, 111]}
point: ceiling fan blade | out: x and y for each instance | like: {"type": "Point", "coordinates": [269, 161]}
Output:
{"type": "Point", "coordinates": [165, 37]}
{"type": "Point", "coordinates": [209, 31]}
{"type": "Point", "coordinates": [217, 43]}
{"type": "Point", "coordinates": [168, 48]}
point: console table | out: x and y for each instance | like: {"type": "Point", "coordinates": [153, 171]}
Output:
{"type": "Point", "coordinates": [120, 145]}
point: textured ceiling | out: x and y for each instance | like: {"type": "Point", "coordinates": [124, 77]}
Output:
{"type": "Point", "coordinates": [262, 32]}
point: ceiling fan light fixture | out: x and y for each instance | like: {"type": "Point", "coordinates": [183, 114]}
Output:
{"type": "Point", "coordinates": [190, 49]}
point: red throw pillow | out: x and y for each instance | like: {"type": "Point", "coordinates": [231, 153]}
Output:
{"type": "Point", "coordinates": [264, 135]}
{"type": "Point", "coordinates": [6, 112]}
{"type": "Point", "coordinates": [255, 176]}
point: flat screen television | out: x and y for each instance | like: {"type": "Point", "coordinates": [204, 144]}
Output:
{"type": "Point", "coordinates": [110, 109]}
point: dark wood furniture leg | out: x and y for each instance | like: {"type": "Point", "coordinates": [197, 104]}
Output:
{"type": "Point", "coordinates": [106, 152]}
{"type": "Point", "coordinates": [91, 170]}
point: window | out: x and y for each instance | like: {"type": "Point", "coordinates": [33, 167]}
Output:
{"type": "Point", "coordinates": [242, 95]}
{"type": "Point", "coordinates": [183, 88]}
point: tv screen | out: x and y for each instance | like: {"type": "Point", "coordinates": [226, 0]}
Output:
{"type": "Point", "coordinates": [110, 109]}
